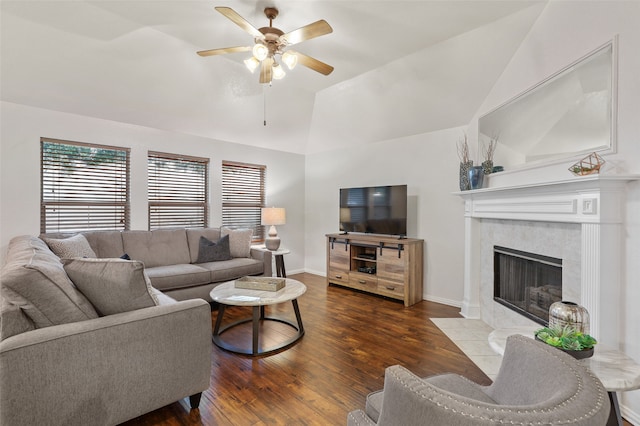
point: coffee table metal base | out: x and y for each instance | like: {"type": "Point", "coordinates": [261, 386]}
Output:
{"type": "Point", "coordinates": [257, 317]}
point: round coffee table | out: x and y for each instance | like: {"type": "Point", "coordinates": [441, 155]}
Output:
{"type": "Point", "coordinates": [227, 295]}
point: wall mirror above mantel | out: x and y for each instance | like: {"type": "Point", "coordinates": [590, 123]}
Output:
{"type": "Point", "coordinates": [571, 113]}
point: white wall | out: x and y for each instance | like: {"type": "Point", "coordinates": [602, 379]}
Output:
{"type": "Point", "coordinates": [565, 31]}
{"type": "Point", "coordinates": [428, 164]}
{"type": "Point", "coordinates": [22, 127]}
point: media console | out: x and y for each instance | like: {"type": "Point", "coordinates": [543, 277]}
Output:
{"type": "Point", "coordinates": [383, 265]}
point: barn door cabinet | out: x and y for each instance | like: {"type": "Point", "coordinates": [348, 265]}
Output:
{"type": "Point", "coordinates": [383, 265]}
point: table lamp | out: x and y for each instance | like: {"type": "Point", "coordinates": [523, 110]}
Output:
{"type": "Point", "coordinates": [273, 216]}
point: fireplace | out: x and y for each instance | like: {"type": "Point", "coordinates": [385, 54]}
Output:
{"type": "Point", "coordinates": [527, 283]}
{"type": "Point", "coordinates": [579, 220]}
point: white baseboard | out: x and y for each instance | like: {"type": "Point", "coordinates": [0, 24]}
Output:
{"type": "Point", "coordinates": [449, 302]}
{"type": "Point", "coordinates": [314, 272]}
{"type": "Point", "coordinates": [629, 415]}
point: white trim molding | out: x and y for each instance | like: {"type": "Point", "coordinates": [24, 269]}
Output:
{"type": "Point", "coordinates": [595, 202]}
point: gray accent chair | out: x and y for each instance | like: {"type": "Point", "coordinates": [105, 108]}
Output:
{"type": "Point", "coordinates": [536, 385]}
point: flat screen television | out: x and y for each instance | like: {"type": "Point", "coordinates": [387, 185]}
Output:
{"type": "Point", "coordinates": [374, 209]}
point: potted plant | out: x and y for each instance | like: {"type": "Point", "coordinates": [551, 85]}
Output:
{"type": "Point", "coordinates": [567, 339]}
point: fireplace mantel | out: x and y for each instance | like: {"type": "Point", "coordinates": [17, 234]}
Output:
{"type": "Point", "coordinates": [588, 199]}
{"type": "Point", "coordinates": [595, 202]}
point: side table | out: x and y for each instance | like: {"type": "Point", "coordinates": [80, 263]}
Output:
{"type": "Point", "coordinates": [616, 371]}
{"type": "Point", "coordinates": [279, 256]}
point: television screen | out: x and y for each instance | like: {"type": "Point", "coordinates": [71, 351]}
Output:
{"type": "Point", "coordinates": [375, 210]}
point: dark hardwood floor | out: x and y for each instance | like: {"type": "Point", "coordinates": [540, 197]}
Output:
{"type": "Point", "coordinates": [350, 338]}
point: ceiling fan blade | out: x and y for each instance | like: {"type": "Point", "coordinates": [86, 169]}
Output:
{"type": "Point", "coordinates": [265, 71]}
{"type": "Point", "coordinates": [239, 21]}
{"type": "Point", "coordinates": [313, 63]}
{"type": "Point", "coordinates": [307, 32]}
{"type": "Point", "coordinates": [224, 50]}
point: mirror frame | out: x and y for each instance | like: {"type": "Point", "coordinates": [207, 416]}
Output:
{"type": "Point", "coordinates": [562, 157]}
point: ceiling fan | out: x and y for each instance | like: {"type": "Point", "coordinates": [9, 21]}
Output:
{"type": "Point", "coordinates": [270, 42]}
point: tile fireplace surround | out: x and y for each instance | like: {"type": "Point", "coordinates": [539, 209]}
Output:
{"type": "Point", "coordinates": [579, 220]}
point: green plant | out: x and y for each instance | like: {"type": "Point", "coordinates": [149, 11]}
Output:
{"type": "Point", "coordinates": [566, 337]}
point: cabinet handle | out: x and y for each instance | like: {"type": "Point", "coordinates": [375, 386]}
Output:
{"type": "Point", "coordinates": [339, 276]}
{"type": "Point", "coordinates": [362, 281]}
{"type": "Point", "coordinates": [390, 287]}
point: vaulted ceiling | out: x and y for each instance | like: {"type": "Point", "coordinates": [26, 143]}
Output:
{"type": "Point", "coordinates": [401, 67]}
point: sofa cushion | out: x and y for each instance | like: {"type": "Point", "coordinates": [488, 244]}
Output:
{"type": "Point", "coordinates": [67, 248]}
{"type": "Point", "coordinates": [106, 244]}
{"type": "Point", "coordinates": [113, 286]}
{"type": "Point", "coordinates": [178, 276]}
{"type": "Point", "coordinates": [34, 279]}
{"type": "Point", "coordinates": [157, 248]}
{"type": "Point", "coordinates": [214, 251]}
{"type": "Point", "coordinates": [12, 320]}
{"type": "Point", "coordinates": [232, 269]}
{"type": "Point", "coordinates": [239, 241]}
{"type": "Point", "coordinates": [193, 239]}
{"type": "Point", "coordinates": [373, 405]}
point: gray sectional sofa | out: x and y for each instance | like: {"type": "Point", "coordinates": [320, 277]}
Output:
{"type": "Point", "coordinates": [170, 255]}
{"type": "Point", "coordinates": [65, 360]}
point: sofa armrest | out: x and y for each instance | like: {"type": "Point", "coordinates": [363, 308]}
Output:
{"type": "Point", "coordinates": [106, 370]}
{"type": "Point", "coordinates": [266, 257]}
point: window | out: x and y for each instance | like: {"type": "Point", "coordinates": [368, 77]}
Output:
{"type": "Point", "coordinates": [84, 187]}
{"type": "Point", "coordinates": [178, 188]}
{"type": "Point", "coordinates": [243, 196]}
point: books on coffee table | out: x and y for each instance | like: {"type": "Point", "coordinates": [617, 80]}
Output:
{"type": "Point", "coordinates": [260, 283]}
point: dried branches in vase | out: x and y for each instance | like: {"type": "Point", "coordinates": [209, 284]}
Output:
{"type": "Point", "coordinates": [465, 163]}
{"type": "Point", "coordinates": [488, 150]}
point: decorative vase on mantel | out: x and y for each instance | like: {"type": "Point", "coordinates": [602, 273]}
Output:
{"type": "Point", "coordinates": [487, 166]}
{"type": "Point", "coordinates": [464, 175]}
{"type": "Point", "coordinates": [476, 177]}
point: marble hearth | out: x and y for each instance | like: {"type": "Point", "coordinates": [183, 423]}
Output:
{"type": "Point", "coordinates": [578, 220]}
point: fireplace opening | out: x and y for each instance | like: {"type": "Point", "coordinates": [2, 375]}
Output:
{"type": "Point", "coordinates": [527, 283]}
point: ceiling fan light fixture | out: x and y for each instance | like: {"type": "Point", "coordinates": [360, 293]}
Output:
{"type": "Point", "coordinates": [252, 64]}
{"type": "Point", "coordinates": [291, 59]}
{"type": "Point", "coordinates": [278, 72]}
{"type": "Point", "coordinates": [260, 51]}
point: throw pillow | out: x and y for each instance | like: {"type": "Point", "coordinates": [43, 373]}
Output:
{"type": "Point", "coordinates": [209, 251]}
{"type": "Point", "coordinates": [34, 280]}
{"type": "Point", "coordinates": [67, 248]}
{"type": "Point", "coordinates": [239, 241]}
{"type": "Point", "coordinates": [112, 285]}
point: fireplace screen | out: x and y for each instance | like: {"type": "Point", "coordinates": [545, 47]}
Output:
{"type": "Point", "coordinates": [527, 283]}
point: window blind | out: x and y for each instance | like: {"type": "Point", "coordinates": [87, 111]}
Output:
{"type": "Point", "coordinates": [243, 196]}
{"type": "Point", "coordinates": [83, 187]}
{"type": "Point", "coordinates": [178, 191]}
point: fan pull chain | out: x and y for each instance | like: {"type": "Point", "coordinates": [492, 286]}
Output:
{"type": "Point", "coordinates": [264, 104]}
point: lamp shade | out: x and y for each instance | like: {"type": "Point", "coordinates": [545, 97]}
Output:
{"type": "Point", "coordinates": [260, 51]}
{"type": "Point", "coordinates": [273, 216]}
{"type": "Point", "coordinates": [278, 72]}
{"type": "Point", "coordinates": [252, 63]}
{"type": "Point", "coordinates": [291, 59]}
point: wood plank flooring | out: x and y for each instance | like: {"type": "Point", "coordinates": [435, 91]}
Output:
{"type": "Point", "coordinates": [350, 338]}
